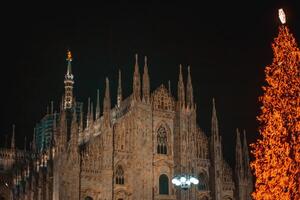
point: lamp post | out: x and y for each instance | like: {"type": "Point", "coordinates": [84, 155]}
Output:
{"type": "Point", "coordinates": [184, 180]}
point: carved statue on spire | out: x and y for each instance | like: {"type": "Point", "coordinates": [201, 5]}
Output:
{"type": "Point", "coordinates": [69, 82]}
{"type": "Point", "coordinates": [69, 56]}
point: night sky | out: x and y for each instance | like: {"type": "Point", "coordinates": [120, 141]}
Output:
{"type": "Point", "coordinates": [226, 45]}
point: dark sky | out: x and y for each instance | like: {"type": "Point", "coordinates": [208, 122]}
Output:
{"type": "Point", "coordinates": [227, 45]}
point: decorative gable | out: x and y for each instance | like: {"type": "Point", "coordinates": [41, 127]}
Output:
{"type": "Point", "coordinates": [162, 100]}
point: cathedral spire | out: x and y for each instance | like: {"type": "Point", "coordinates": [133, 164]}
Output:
{"type": "Point", "coordinates": [106, 104]}
{"type": "Point", "coordinates": [33, 146]}
{"type": "Point", "coordinates": [180, 89]}
{"type": "Point", "coordinates": [189, 90]}
{"type": "Point", "coordinates": [88, 113]}
{"type": "Point", "coordinates": [246, 156]}
{"type": "Point", "coordinates": [25, 143]}
{"type": "Point", "coordinates": [214, 122]}
{"type": "Point", "coordinates": [53, 135]}
{"type": "Point", "coordinates": [119, 95]}
{"type": "Point", "coordinates": [13, 146]}
{"type": "Point", "coordinates": [247, 172]}
{"type": "Point", "coordinates": [92, 112]}
{"type": "Point", "coordinates": [136, 81]}
{"type": "Point", "coordinates": [62, 103]}
{"type": "Point", "coordinates": [98, 106]}
{"type": "Point", "coordinates": [81, 120]}
{"type": "Point", "coordinates": [146, 83]}
{"type": "Point", "coordinates": [51, 107]}
{"type": "Point", "coordinates": [169, 88]}
{"type": "Point", "coordinates": [238, 156]}
{"type": "Point", "coordinates": [54, 120]}
{"type": "Point", "coordinates": [69, 82]}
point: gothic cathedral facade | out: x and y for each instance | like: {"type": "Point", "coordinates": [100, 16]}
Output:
{"type": "Point", "coordinates": [132, 150]}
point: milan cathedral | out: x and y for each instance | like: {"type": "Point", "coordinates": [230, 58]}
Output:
{"type": "Point", "coordinates": [129, 151]}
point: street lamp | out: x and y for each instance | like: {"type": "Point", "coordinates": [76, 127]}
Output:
{"type": "Point", "coordinates": [184, 181]}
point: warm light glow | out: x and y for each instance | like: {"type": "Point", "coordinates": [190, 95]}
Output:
{"type": "Point", "coordinates": [69, 55]}
{"type": "Point", "coordinates": [281, 15]}
{"type": "Point", "coordinates": [277, 153]}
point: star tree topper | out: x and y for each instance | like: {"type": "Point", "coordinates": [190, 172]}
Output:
{"type": "Point", "coordinates": [281, 15]}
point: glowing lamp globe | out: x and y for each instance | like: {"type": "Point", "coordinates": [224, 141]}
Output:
{"type": "Point", "coordinates": [176, 182]}
{"type": "Point", "coordinates": [194, 180]}
{"type": "Point", "coordinates": [182, 179]}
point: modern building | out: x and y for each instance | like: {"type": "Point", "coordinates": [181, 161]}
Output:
{"type": "Point", "coordinates": [44, 129]}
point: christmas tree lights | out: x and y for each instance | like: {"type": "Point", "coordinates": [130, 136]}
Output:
{"type": "Point", "coordinates": [277, 152]}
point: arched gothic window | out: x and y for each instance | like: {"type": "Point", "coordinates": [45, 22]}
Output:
{"type": "Point", "coordinates": [162, 141]}
{"type": "Point", "coordinates": [163, 184]}
{"type": "Point", "coordinates": [203, 184]}
{"type": "Point", "coordinates": [120, 175]}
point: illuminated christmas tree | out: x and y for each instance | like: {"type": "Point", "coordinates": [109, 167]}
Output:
{"type": "Point", "coordinates": [277, 153]}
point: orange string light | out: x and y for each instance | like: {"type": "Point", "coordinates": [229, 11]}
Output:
{"type": "Point", "coordinates": [277, 152]}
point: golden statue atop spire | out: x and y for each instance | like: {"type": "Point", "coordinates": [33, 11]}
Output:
{"type": "Point", "coordinates": [69, 55]}
{"type": "Point", "coordinates": [281, 16]}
